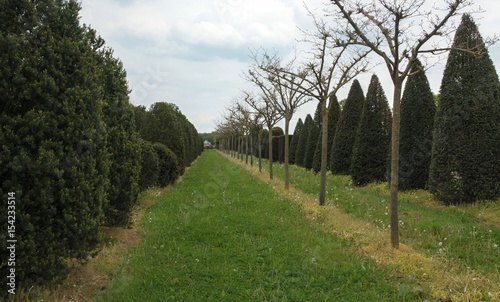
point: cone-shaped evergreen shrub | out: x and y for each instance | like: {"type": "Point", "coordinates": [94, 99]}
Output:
{"type": "Point", "coordinates": [372, 145]}
{"type": "Point", "coordinates": [466, 150]}
{"type": "Point", "coordinates": [316, 166]}
{"type": "Point", "coordinates": [417, 123]}
{"type": "Point", "coordinates": [294, 142]}
{"type": "Point", "coordinates": [312, 138]}
{"type": "Point", "coordinates": [345, 133]}
{"type": "Point", "coordinates": [333, 120]}
{"type": "Point", "coordinates": [301, 146]}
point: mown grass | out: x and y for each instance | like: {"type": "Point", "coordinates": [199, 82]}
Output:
{"type": "Point", "coordinates": [88, 280]}
{"type": "Point", "coordinates": [223, 235]}
{"type": "Point", "coordinates": [466, 235]}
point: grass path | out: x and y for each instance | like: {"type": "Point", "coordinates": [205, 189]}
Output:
{"type": "Point", "coordinates": [224, 235]}
{"type": "Point", "coordinates": [451, 252]}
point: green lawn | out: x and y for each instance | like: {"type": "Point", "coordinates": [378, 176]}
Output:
{"type": "Point", "coordinates": [223, 235]}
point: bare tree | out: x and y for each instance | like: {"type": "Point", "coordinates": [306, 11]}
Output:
{"type": "Point", "coordinates": [256, 127]}
{"type": "Point", "coordinates": [227, 133]}
{"type": "Point", "coordinates": [334, 61]}
{"type": "Point", "coordinates": [236, 122]}
{"type": "Point", "coordinates": [275, 78]}
{"type": "Point", "coordinates": [243, 115]}
{"type": "Point", "coordinates": [266, 109]}
{"type": "Point", "coordinates": [398, 32]}
{"type": "Point", "coordinates": [250, 121]}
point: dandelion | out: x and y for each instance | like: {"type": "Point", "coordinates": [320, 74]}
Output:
{"type": "Point", "coordinates": [495, 245]}
{"type": "Point", "coordinates": [440, 244]}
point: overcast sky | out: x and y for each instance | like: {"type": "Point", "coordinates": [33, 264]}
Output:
{"type": "Point", "coordinates": [193, 52]}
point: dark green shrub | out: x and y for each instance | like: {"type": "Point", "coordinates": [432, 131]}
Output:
{"type": "Point", "coordinates": [294, 141]}
{"type": "Point", "coordinates": [150, 166]}
{"type": "Point", "coordinates": [122, 143]}
{"type": "Point", "coordinates": [302, 144]}
{"type": "Point", "coordinates": [466, 154]}
{"type": "Point", "coordinates": [53, 153]}
{"type": "Point", "coordinates": [372, 145]}
{"type": "Point", "coordinates": [163, 126]}
{"type": "Point", "coordinates": [345, 133]}
{"type": "Point", "coordinates": [169, 166]}
{"type": "Point", "coordinates": [312, 138]}
{"type": "Point", "coordinates": [417, 123]}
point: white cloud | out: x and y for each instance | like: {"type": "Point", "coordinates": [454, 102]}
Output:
{"type": "Point", "coordinates": [199, 48]}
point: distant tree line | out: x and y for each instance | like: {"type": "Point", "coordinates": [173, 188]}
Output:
{"type": "Point", "coordinates": [75, 152]}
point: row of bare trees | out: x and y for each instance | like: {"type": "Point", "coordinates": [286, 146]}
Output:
{"type": "Point", "coordinates": [345, 41]}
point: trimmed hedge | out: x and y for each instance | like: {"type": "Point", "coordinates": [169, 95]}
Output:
{"type": "Point", "coordinates": [150, 166]}
{"type": "Point", "coordinates": [466, 153]}
{"type": "Point", "coordinates": [372, 145]}
{"type": "Point", "coordinates": [169, 167]}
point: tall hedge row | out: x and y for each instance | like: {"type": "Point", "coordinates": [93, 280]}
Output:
{"type": "Point", "coordinates": [70, 149]}
{"type": "Point", "coordinates": [54, 153]}
{"type": "Point", "coordinates": [122, 142]}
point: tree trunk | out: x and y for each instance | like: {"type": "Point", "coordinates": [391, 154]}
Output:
{"type": "Point", "coordinates": [246, 149]}
{"type": "Point", "coordinates": [324, 151]}
{"type": "Point", "coordinates": [270, 153]}
{"type": "Point", "coordinates": [234, 147]}
{"type": "Point", "coordinates": [251, 149]}
{"type": "Point", "coordinates": [396, 117]}
{"type": "Point", "coordinates": [259, 143]}
{"type": "Point", "coordinates": [287, 137]}
{"type": "Point", "coordinates": [241, 148]}
{"type": "Point", "coordinates": [231, 146]}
